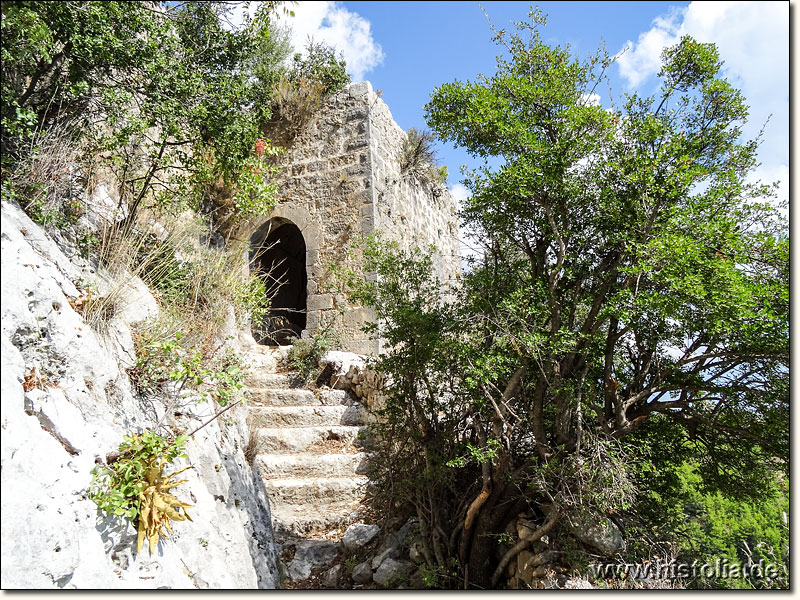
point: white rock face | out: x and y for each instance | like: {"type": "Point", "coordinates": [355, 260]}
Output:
{"type": "Point", "coordinates": [53, 536]}
{"type": "Point", "coordinates": [102, 208]}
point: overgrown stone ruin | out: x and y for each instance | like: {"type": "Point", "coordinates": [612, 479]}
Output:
{"type": "Point", "coordinates": [341, 177]}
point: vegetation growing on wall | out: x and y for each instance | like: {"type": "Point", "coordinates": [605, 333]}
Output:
{"type": "Point", "coordinates": [418, 158]}
{"type": "Point", "coordinates": [320, 64]}
{"type": "Point", "coordinates": [299, 91]}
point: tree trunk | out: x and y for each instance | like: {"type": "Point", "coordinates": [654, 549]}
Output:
{"type": "Point", "coordinates": [503, 505]}
{"type": "Point", "coordinates": [480, 566]}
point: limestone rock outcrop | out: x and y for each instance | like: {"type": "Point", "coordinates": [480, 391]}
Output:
{"type": "Point", "coordinates": [66, 403]}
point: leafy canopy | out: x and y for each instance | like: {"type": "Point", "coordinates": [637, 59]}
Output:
{"type": "Point", "coordinates": [166, 95]}
{"type": "Point", "coordinates": [632, 258]}
{"type": "Point", "coordinates": [633, 276]}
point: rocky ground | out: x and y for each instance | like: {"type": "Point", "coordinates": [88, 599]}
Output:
{"type": "Point", "coordinates": [67, 402]}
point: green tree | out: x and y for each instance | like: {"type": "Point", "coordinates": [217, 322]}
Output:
{"type": "Point", "coordinates": [320, 64]}
{"type": "Point", "coordinates": [706, 525]}
{"type": "Point", "coordinates": [632, 276]}
{"type": "Point", "coordinates": [163, 92]}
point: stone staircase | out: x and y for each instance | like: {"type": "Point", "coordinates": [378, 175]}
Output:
{"type": "Point", "coordinates": [310, 455]}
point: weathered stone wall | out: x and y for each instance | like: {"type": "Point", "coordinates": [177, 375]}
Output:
{"type": "Point", "coordinates": [414, 213]}
{"type": "Point", "coordinates": [341, 178]}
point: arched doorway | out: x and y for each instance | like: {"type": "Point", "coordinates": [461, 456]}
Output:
{"type": "Point", "coordinates": [281, 260]}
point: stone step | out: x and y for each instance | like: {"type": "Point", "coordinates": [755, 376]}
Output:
{"type": "Point", "coordinates": [315, 491]}
{"type": "Point", "coordinates": [266, 358]}
{"type": "Point", "coordinates": [281, 439]}
{"type": "Point", "coordinates": [308, 464]}
{"type": "Point", "coordinates": [297, 397]}
{"type": "Point", "coordinates": [258, 378]}
{"type": "Point", "coordinates": [306, 416]}
{"type": "Point", "coordinates": [291, 520]}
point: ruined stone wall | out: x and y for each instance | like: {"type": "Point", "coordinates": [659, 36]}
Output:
{"type": "Point", "coordinates": [414, 213]}
{"type": "Point", "coordinates": [341, 178]}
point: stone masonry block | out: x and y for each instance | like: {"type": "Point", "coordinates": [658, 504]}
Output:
{"type": "Point", "coordinates": [320, 302]}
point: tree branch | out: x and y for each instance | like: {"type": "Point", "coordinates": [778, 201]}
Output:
{"type": "Point", "coordinates": [552, 519]}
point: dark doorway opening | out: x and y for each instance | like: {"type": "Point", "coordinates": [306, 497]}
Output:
{"type": "Point", "coordinates": [281, 260]}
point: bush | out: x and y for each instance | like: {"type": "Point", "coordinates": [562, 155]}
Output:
{"type": "Point", "coordinates": [305, 354]}
{"type": "Point", "coordinates": [115, 487]}
{"type": "Point", "coordinates": [269, 61]}
{"type": "Point", "coordinates": [47, 182]}
{"type": "Point", "coordinates": [294, 104]}
{"type": "Point", "coordinates": [250, 299]}
{"type": "Point", "coordinates": [194, 281]}
{"type": "Point", "coordinates": [299, 92]}
{"type": "Point", "coordinates": [186, 369]}
{"type": "Point", "coordinates": [321, 66]}
{"type": "Point", "coordinates": [133, 485]}
{"type": "Point", "coordinates": [704, 525]}
{"type": "Point", "coordinates": [418, 158]}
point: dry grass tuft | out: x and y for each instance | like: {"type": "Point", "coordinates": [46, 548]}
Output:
{"type": "Point", "coordinates": [294, 104]}
{"type": "Point", "coordinates": [255, 446]}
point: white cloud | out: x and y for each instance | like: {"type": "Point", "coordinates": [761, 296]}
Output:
{"type": "Point", "coordinates": [753, 41]}
{"type": "Point", "coordinates": [643, 59]}
{"type": "Point", "coordinates": [459, 192]}
{"type": "Point", "coordinates": [590, 99]}
{"type": "Point", "coordinates": [347, 32]}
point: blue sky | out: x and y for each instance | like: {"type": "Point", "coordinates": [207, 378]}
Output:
{"type": "Point", "coordinates": [406, 49]}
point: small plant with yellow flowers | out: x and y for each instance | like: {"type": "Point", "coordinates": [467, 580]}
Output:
{"type": "Point", "coordinates": [157, 506]}
{"type": "Point", "coordinates": [133, 484]}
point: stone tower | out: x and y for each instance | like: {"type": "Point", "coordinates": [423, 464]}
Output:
{"type": "Point", "coordinates": [341, 177]}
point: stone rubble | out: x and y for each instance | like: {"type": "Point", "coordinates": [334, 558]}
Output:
{"type": "Point", "coordinates": [359, 535]}
{"type": "Point", "coordinates": [392, 572]}
{"type": "Point", "coordinates": [602, 535]}
{"type": "Point", "coordinates": [362, 573]}
{"type": "Point", "coordinates": [352, 372]}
